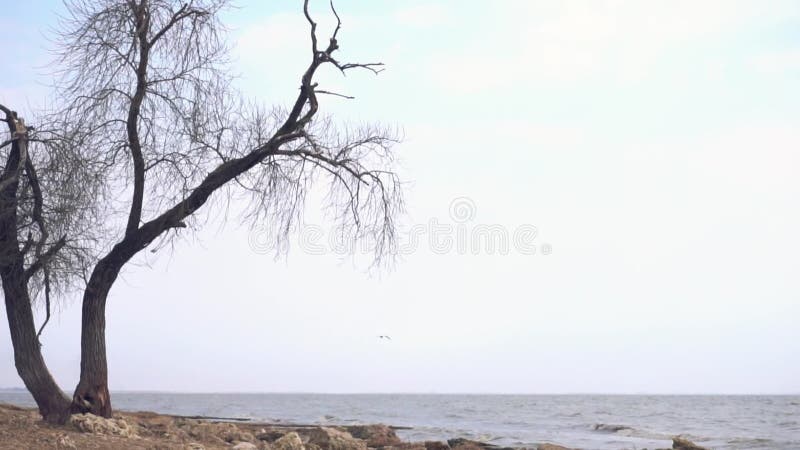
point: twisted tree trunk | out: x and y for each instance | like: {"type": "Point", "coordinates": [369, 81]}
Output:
{"type": "Point", "coordinates": [92, 395]}
{"type": "Point", "coordinates": [52, 403]}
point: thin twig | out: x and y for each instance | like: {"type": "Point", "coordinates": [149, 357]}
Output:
{"type": "Point", "coordinates": [319, 91]}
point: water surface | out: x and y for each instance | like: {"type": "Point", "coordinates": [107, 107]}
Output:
{"type": "Point", "coordinates": [584, 421]}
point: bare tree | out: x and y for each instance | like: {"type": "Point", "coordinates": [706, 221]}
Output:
{"type": "Point", "coordinates": [147, 100]}
{"type": "Point", "coordinates": [48, 232]}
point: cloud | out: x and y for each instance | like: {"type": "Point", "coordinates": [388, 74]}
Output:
{"type": "Point", "coordinates": [272, 54]}
{"type": "Point", "coordinates": [421, 16]}
{"type": "Point", "coordinates": [567, 42]}
{"type": "Point", "coordinates": [275, 33]}
{"type": "Point", "coordinates": [778, 62]}
{"type": "Point", "coordinates": [25, 98]}
{"type": "Point", "coordinates": [756, 156]}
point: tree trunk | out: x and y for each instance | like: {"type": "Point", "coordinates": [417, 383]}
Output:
{"type": "Point", "coordinates": [92, 395]}
{"type": "Point", "coordinates": [53, 404]}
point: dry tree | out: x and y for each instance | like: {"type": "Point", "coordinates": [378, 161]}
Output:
{"type": "Point", "coordinates": [50, 227]}
{"type": "Point", "coordinates": [155, 127]}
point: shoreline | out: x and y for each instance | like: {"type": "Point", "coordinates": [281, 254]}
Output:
{"type": "Point", "coordinates": [22, 427]}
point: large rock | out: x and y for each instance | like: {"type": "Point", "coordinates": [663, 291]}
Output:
{"type": "Point", "coordinates": [333, 439]}
{"type": "Point", "coordinates": [376, 435]}
{"type": "Point", "coordinates": [679, 443]}
{"type": "Point", "coordinates": [89, 423]}
{"type": "Point", "coordinates": [289, 441]}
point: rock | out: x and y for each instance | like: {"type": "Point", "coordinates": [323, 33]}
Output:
{"type": "Point", "coordinates": [679, 443]}
{"type": "Point", "coordinates": [436, 445]}
{"type": "Point", "coordinates": [551, 447]}
{"type": "Point", "coordinates": [230, 433]}
{"type": "Point", "coordinates": [65, 442]}
{"type": "Point", "coordinates": [289, 441]}
{"type": "Point", "coordinates": [244, 446]}
{"type": "Point", "coordinates": [269, 435]}
{"type": "Point", "coordinates": [194, 446]}
{"type": "Point", "coordinates": [406, 446]}
{"type": "Point", "coordinates": [89, 423]}
{"type": "Point", "coordinates": [333, 439]}
{"type": "Point", "coordinates": [611, 428]}
{"type": "Point", "coordinates": [466, 444]}
{"type": "Point", "coordinates": [214, 432]}
{"type": "Point", "coordinates": [376, 435]}
{"type": "Point", "coordinates": [202, 431]}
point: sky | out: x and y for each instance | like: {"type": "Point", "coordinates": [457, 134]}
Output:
{"type": "Point", "coordinates": [639, 158]}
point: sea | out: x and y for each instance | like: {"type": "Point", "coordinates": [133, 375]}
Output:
{"type": "Point", "coordinates": [580, 421]}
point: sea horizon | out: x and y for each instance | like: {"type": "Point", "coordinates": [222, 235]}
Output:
{"type": "Point", "coordinates": [558, 394]}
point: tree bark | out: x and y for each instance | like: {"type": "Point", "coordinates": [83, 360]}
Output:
{"type": "Point", "coordinates": [92, 395]}
{"type": "Point", "coordinates": [53, 404]}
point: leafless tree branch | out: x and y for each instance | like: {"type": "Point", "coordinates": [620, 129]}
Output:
{"type": "Point", "coordinates": [148, 132]}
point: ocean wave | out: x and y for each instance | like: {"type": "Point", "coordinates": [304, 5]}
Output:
{"type": "Point", "coordinates": [329, 419]}
{"type": "Point", "coordinates": [487, 437]}
{"type": "Point", "coordinates": [628, 431]}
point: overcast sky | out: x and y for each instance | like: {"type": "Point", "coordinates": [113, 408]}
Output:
{"type": "Point", "coordinates": [653, 145]}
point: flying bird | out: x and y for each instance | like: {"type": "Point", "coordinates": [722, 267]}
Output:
{"type": "Point", "coordinates": [383, 336]}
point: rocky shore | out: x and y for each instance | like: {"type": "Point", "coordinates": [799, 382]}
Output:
{"type": "Point", "coordinates": [22, 428]}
